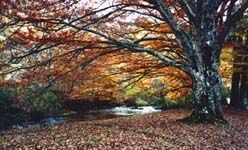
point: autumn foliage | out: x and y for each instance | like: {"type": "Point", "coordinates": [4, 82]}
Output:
{"type": "Point", "coordinates": [95, 50]}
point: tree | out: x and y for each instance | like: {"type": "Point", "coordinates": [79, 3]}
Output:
{"type": "Point", "coordinates": [240, 67]}
{"type": "Point", "coordinates": [239, 78]}
{"type": "Point", "coordinates": [58, 57]}
{"type": "Point", "coordinates": [199, 29]}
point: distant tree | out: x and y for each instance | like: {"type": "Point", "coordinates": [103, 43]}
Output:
{"type": "Point", "coordinates": [239, 89]}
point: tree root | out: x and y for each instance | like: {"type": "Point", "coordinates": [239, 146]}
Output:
{"type": "Point", "coordinates": [198, 118]}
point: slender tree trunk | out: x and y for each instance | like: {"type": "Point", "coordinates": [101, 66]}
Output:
{"type": "Point", "coordinates": [247, 91]}
{"type": "Point", "coordinates": [243, 89]}
{"type": "Point", "coordinates": [244, 83]}
{"type": "Point", "coordinates": [239, 78]}
{"type": "Point", "coordinates": [235, 89]}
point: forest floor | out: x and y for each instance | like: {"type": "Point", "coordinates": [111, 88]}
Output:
{"type": "Point", "coordinates": [153, 131]}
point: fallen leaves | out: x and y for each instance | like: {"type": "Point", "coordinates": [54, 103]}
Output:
{"type": "Point", "coordinates": [154, 131]}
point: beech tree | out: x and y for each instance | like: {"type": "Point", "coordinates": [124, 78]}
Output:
{"type": "Point", "coordinates": [239, 78]}
{"type": "Point", "coordinates": [201, 29]}
{"type": "Point", "coordinates": [239, 89]}
{"type": "Point", "coordinates": [196, 31]}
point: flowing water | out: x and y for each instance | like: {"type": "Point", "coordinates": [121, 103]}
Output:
{"type": "Point", "coordinates": [91, 115]}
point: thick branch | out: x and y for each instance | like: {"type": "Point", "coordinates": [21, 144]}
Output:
{"type": "Point", "coordinates": [182, 37]}
{"type": "Point", "coordinates": [134, 47]}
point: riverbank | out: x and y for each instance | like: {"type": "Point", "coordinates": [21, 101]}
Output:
{"type": "Point", "coordinates": [13, 116]}
{"type": "Point", "coordinates": [94, 114]}
{"type": "Point", "coordinates": [159, 130]}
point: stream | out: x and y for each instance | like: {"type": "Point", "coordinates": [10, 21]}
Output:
{"type": "Point", "coordinates": [91, 115]}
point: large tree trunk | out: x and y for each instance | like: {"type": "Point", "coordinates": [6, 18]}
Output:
{"type": "Point", "coordinates": [207, 97]}
{"type": "Point", "coordinates": [207, 82]}
{"type": "Point", "coordinates": [207, 86]}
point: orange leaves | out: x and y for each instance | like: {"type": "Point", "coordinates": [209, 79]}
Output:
{"type": "Point", "coordinates": [25, 35]}
{"type": "Point", "coordinates": [71, 57]}
{"type": "Point", "coordinates": [143, 22]}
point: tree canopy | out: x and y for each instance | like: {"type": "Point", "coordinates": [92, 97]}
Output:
{"type": "Point", "coordinates": [122, 42]}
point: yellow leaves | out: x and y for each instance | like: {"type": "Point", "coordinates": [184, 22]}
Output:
{"type": "Point", "coordinates": [1, 43]}
{"type": "Point", "coordinates": [60, 69]}
{"type": "Point", "coordinates": [131, 92]}
{"type": "Point", "coordinates": [4, 19]}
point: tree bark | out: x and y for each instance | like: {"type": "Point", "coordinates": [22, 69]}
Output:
{"type": "Point", "coordinates": [207, 88]}
{"type": "Point", "coordinates": [235, 89]}
{"type": "Point", "coordinates": [239, 78]}
{"type": "Point", "coordinates": [243, 90]}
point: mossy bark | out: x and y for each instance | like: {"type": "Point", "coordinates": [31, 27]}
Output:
{"type": "Point", "coordinates": [207, 107]}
